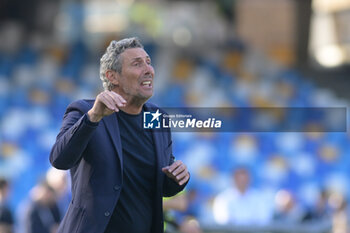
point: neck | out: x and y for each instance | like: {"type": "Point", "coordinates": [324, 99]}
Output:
{"type": "Point", "coordinates": [130, 109]}
{"type": "Point", "coordinates": [242, 190]}
{"type": "Point", "coordinates": [133, 106]}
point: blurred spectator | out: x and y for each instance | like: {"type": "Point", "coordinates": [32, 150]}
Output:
{"type": "Point", "coordinates": [171, 205]}
{"type": "Point", "coordinates": [321, 211]}
{"type": "Point", "coordinates": [190, 225]}
{"type": "Point", "coordinates": [241, 204]}
{"type": "Point", "coordinates": [341, 213]}
{"type": "Point", "coordinates": [5, 229]}
{"type": "Point", "coordinates": [58, 180]}
{"type": "Point", "coordinates": [176, 216]}
{"type": "Point", "coordinates": [43, 215]}
{"type": "Point", "coordinates": [287, 209]}
{"type": "Point", "coordinates": [6, 217]}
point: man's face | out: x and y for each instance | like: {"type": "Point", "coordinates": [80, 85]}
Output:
{"type": "Point", "coordinates": [136, 78]}
{"type": "Point", "coordinates": [241, 179]}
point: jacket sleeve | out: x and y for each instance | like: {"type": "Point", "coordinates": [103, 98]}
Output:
{"type": "Point", "coordinates": [73, 138]}
{"type": "Point", "coordinates": [170, 187]}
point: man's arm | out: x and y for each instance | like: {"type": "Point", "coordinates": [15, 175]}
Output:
{"type": "Point", "coordinates": [72, 140]}
{"type": "Point", "coordinates": [78, 128]}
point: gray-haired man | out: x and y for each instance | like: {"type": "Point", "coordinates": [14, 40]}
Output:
{"type": "Point", "coordinates": [120, 172]}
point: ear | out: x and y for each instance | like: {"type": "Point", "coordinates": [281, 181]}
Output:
{"type": "Point", "coordinates": [112, 76]}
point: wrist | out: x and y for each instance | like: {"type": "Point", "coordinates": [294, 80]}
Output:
{"type": "Point", "coordinates": [93, 117]}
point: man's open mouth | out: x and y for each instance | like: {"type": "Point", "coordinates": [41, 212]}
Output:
{"type": "Point", "coordinates": [147, 83]}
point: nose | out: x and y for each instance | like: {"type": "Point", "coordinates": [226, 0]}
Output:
{"type": "Point", "coordinates": [149, 70]}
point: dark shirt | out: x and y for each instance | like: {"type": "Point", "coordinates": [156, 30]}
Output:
{"type": "Point", "coordinates": [41, 218]}
{"type": "Point", "coordinates": [134, 210]}
{"type": "Point", "coordinates": [5, 215]}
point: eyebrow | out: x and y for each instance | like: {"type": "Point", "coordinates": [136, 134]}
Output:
{"type": "Point", "coordinates": [139, 58]}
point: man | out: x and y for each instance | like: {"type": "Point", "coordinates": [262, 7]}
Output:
{"type": "Point", "coordinates": [241, 204]}
{"type": "Point", "coordinates": [43, 214]}
{"type": "Point", "coordinates": [120, 172]}
{"type": "Point", "coordinates": [6, 217]}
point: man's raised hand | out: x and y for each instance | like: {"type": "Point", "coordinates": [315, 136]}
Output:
{"type": "Point", "coordinates": [106, 103]}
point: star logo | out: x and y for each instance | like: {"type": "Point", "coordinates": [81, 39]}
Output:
{"type": "Point", "coordinates": [156, 115]}
{"type": "Point", "coordinates": [151, 120]}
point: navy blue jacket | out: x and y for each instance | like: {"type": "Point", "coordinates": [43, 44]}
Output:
{"type": "Point", "coordinates": [93, 153]}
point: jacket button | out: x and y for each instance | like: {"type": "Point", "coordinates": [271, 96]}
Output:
{"type": "Point", "coordinates": [107, 213]}
{"type": "Point", "coordinates": [116, 187]}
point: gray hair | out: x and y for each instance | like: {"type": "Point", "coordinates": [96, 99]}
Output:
{"type": "Point", "coordinates": [111, 59]}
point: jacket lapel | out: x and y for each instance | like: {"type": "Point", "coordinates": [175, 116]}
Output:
{"type": "Point", "coordinates": [111, 124]}
{"type": "Point", "coordinates": [158, 142]}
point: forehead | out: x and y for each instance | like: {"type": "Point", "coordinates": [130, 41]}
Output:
{"type": "Point", "coordinates": [241, 172]}
{"type": "Point", "coordinates": [134, 53]}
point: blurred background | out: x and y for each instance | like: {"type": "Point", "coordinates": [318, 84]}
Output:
{"type": "Point", "coordinates": [206, 53]}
